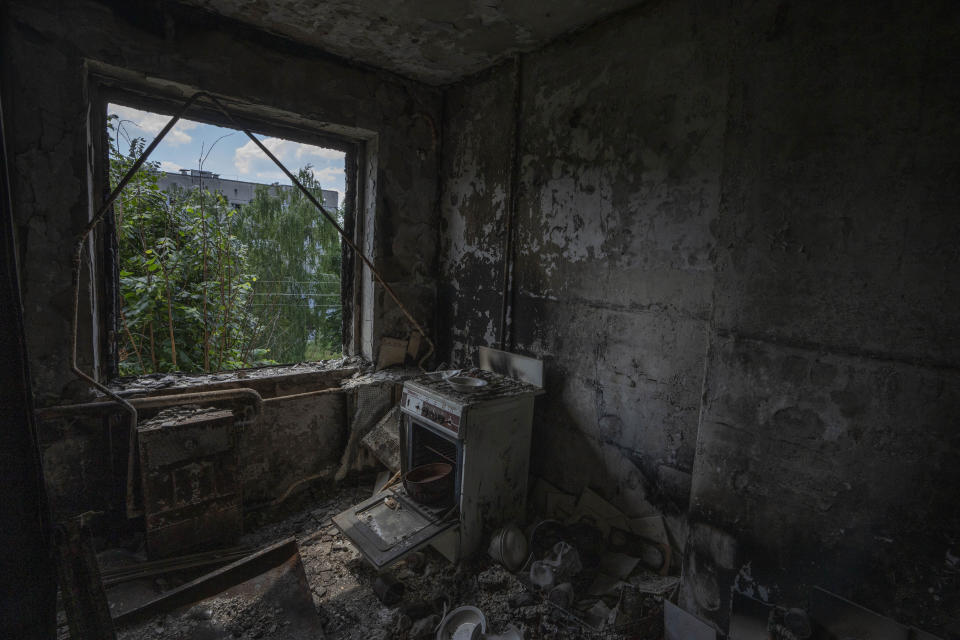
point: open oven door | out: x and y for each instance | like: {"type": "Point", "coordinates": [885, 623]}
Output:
{"type": "Point", "coordinates": [390, 525]}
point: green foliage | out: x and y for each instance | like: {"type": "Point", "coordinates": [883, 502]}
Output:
{"type": "Point", "coordinates": [205, 287]}
{"type": "Point", "coordinates": [296, 254]}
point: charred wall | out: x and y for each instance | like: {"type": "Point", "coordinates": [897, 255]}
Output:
{"type": "Point", "coordinates": [619, 146]}
{"type": "Point", "coordinates": [736, 238]}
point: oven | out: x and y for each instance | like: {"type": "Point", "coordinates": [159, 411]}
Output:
{"type": "Point", "coordinates": [423, 443]}
{"type": "Point", "coordinates": [484, 436]}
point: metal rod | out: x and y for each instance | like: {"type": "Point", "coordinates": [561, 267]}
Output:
{"type": "Point", "coordinates": [307, 394]}
{"type": "Point", "coordinates": [215, 582]}
{"type": "Point", "coordinates": [453, 462]}
{"type": "Point", "coordinates": [155, 402]}
{"type": "Point", "coordinates": [340, 230]}
{"type": "Point", "coordinates": [137, 572]}
{"type": "Point", "coordinates": [511, 212]}
{"type": "Point", "coordinates": [150, 564]}
{"type": "Point", "coordinates": [77, 262]}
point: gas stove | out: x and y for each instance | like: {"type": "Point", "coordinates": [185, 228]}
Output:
{"type": "Point", "coordinates": [484, 436]}
{"type": "Point", "coordinates": [435, 400]}
{"type": "Point", "coordinates": [498, 386]}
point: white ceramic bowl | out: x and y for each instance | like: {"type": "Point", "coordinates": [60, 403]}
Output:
{"type": "Point", "coordinates": [462, 624]}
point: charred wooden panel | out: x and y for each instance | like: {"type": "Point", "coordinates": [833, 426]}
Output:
{"type": "Point", "coordinates": [191, 481]}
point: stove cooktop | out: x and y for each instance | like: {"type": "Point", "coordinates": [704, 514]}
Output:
{"type": "Point", "coordinates": [497, 387]}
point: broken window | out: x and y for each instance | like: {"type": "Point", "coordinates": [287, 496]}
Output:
{"type": "Point", "coordinates": [221, 262]}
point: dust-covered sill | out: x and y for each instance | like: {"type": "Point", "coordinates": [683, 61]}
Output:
{"type": "Point", "coordinates": [270, 381]}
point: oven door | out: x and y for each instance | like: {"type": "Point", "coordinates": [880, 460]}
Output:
{"type": "Point", "coordinates": [390, 525]}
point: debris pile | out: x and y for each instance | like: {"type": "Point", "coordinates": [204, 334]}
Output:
{"type": "Point", "coordinates": [574, 579]}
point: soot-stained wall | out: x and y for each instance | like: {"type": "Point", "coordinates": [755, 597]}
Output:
{"type": "Point", "coordinates": [620, 140]}
{"type": "Point", "coordinates": [736, 247]}
{"type": "Point", "coordinates": [828, 451]}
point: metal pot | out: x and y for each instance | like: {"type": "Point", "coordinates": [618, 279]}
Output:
{"type": "Point", "coordinates": [466, 384]}
{"type": "Point", "coordinates": [430, 483]}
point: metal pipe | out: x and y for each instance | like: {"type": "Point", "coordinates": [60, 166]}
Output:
{"type": "Point", "coordinates": [75, 322]}
{"type": "Point", "coordinates": [217, 396]}
{"type": "Point", "coordinates": [514, 186]}
{"type": "Point", "coordinates": [78, 253]}
{"type": "Point", "coordinates": [306, 394]}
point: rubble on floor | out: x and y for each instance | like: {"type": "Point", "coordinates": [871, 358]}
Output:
{"type": "Point", "coordinates": [341, 586]}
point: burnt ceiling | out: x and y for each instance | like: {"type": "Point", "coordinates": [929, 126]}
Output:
{"type": "Point", "coordinates": [434, 41]}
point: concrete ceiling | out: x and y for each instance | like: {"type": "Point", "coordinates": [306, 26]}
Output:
{"type": "Point", "coordinates": [435, 41]}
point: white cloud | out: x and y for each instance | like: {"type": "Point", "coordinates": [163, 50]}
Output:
{"type": "Point", "coordinates": [309, 151]}
{"type": "Point", "coordinates": [147, 125]}
{"type": "Point", "coordinates": [250, 161]}
{"type": "Point", "coordinates": [328, 175]}
{"type": "Point", "coordinates": [172, 167]}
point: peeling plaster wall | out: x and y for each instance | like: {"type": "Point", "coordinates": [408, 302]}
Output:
{"type": "Point", "coordinates": [45, 46]}
{"type": "Point", "coordinates": [473, 207]}
{"type": "Point", "coordinates": [620, 143]}
{"type": "Point", "coordinates": [736, 238]}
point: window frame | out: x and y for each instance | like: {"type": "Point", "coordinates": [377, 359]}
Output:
{"type": "Point", "coordinates": [103, 90]}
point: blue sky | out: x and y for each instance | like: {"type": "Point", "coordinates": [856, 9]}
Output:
{"type": "Point", "coordinates": [234, 156]}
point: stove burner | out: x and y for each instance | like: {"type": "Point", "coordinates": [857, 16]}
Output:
{"type": "Point", "coordinates": [497, 386]}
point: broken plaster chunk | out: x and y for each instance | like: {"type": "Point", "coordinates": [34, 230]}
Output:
{"type": "Point", "coordinates": [550, 501]}
{"type": "Point", "coordinates": [598, 614]}
{"type": "Point", "coordinates": [424, 628]}
{"type": "Point", "coordinates": [592, 508]}
{"type": "Point", "coordinates": [650, 527]}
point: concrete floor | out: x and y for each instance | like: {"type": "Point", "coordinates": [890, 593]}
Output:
{"type": "Point", "coordinates": [341, 582]}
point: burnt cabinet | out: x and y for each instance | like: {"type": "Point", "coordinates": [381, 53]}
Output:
{"type": "Point", "coordinates": [190, 472]}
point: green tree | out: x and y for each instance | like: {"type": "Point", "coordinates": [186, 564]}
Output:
{"type": "Point", "coordinates": [185, 283]}
{"type": "Point", "coordinates": [297, 256]}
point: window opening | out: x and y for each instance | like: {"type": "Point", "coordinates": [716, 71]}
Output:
{"type": "Point", "coordinates": [223, 264]}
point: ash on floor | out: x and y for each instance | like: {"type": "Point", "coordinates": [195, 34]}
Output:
{"type": "Point", "coordinates": [341, 583]}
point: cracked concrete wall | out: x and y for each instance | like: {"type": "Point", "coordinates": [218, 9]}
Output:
{"type": "Point", "coordinates": [47, 49]}
{"type": "Point", "coordinates": [620, 141]}
{"type": "Point", "coordinates": [827, 448]}
{"type": "Point", "coordinates": [736, 238]}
